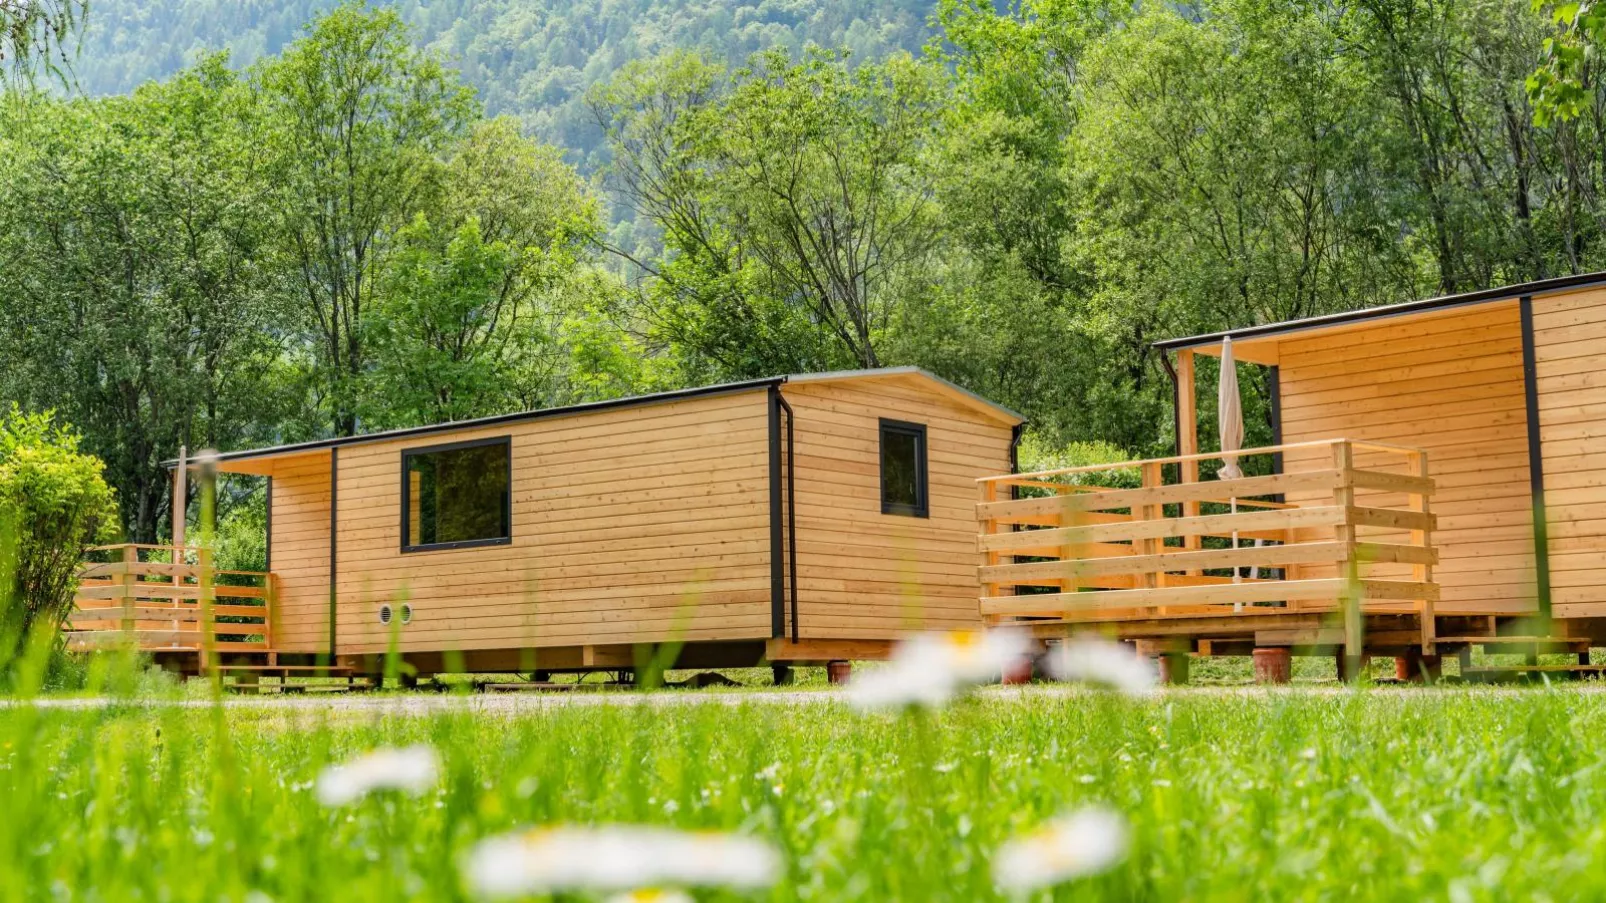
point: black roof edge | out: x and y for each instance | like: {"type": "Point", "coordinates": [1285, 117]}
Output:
{"type": "Point", "coordinates": [1482, 296]}
{"type": "Point", "coordinates": [626, 402]}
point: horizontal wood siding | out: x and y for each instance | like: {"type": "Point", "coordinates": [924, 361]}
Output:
{"type": "Point", "coordinates": [867, 575]}
{"type": "Point", "coordinates": [1451, 384]}
{"type": "Point", "coordinates": [1570, 365]}
{"type": "Point", "coordinates": [635, 524]}
{"type": "Point", "coordinates": [300, 552]}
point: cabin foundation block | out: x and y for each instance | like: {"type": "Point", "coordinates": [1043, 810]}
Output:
{"type": "Point", "coordinates": [781, 675]}
{"type": "Point", "coordinates": [1274, 665]}
{"type": "Point", "coordinates": [838, 672]}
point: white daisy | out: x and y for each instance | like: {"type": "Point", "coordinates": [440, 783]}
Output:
{"type": "Point", "coordinates": [413, 770]}
{"type": "Point", "coordinates": [617, 858]}
{"type": "Point", "coordinates": [929, 669]}
{"type": "Point", "coordinates": [1102, 662]}
{"type": "Point", "coordinates": [1072, 846]}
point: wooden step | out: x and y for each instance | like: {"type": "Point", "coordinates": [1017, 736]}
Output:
{"type": "Point", "coordinates": [1499, 673]}
{"type": "Point", "coordinates": [1502, 640]}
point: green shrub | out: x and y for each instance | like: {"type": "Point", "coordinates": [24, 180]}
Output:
{"type": "Point", "coordinates": [54, 502]}
{"type": "Point", "coordinates": [1037, 455]}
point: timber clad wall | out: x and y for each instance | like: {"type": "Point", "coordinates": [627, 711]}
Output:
{"type": "Point", "coordinates": [1452, 384]}
{"type": "Point", "coordinates": [1570, 361]}
{"type": "Point", "coordinates": [867, 575]}
{"type": "Point", "coordinates": [300, 552]}
{"type": "Point", "coordinates": [634, 524]}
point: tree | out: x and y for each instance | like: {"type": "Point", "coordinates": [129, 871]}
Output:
{"type": "Point", "coordinates": [356, 122]}
{"type": "Point", "coordinates": [130, 231]}
{"type": "Point", "coordinates": [794, 198]}
{"type": "Point", "coordinates": [34, 33]}
{"type": "Point", "coordinates": [468, 311]}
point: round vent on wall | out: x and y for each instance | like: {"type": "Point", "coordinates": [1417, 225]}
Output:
{"type": "Point", "coordinates": [407, 614]}
{"type": "Point", "coordinates": [384, 614]}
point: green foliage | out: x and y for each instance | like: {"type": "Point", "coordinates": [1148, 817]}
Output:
{"type": "Point", "coordinates": [1296, 795]}
{"type": "Point", "coordinates": [54, 503]}
{"type": "Point", "coordinates": [794, 199]}
{"type": "Point", "coordinates": [1036, 455]}
{"type": "Point", "coordinates": [355, 121]}
{"type": "Point", "coordinates": [38, 35]}
{"type": "Point", "coordinates": [138, 300]}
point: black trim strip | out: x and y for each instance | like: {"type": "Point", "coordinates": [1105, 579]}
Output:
{"type": "Point", "coordinates": [1484, 296]}
{"type": "Point", "coordinates": [1536, 459]}
{"type": "Point", "coordinates": [408, 547]}
{"type": "Point", "coordinates": [334, 558]}
{"type": "Point", "coordinates": [777, 551]}
{"type": "Point", "coordinates": [791, 507]}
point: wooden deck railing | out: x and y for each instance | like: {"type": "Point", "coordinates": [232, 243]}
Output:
{"type": "Point", "coordinates": [169, 599]}
{"type": "Point", "coordinates": [1346, 527]}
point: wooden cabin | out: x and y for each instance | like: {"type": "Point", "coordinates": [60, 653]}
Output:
{"type": "Point", "coordinates": [1437, 482]}
{"type": "Point", "coordinates": [806, 518]}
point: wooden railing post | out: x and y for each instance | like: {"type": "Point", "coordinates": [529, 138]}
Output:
{"type": "Point", "coordinates": [125, 581]}
{"type": "Point", "coordinates": [1153, 478]}
{"type": "Point", "coordinates": [1423, 573]}
{"type": "Point", "coordinates": [989, 526]}
{"type": "Point", "coordinates": [1188, 438]}
{"type": "Point", "coordinates": [270, 593]}
{"type": "Point", "coordinates": [1348, 564]}
{"type": "Point", "coordinates": [204, 592]}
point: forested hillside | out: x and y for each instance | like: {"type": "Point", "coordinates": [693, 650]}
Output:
{"type": "Point", "coordinates": [533, 59]}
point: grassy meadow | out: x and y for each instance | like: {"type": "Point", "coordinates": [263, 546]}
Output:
{"type": "Point", "coordinates": [1380, 794]}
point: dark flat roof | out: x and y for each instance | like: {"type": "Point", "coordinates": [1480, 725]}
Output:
{"type": "Point", "coordinates": [626, 402]}
{"type": "Point", "coordinates": [1483, 296]}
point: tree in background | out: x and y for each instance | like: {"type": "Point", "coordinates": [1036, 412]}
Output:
{"type": "Point", "coordinates": [35, 33]}
{"type": "Point", "coordinates": [356, 123]}
{"type": "Point", "coordinates": [471, 302]}
{"type": "Point", "coordinates": [54, 503]}
{"type": "Point", "coordinates": [130, 260]}
{"type": "Point", "coordinates": [795, 201]}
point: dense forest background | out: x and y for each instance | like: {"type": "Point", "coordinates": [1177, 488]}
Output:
{"type": "Point", "coordinates": [233, 224]}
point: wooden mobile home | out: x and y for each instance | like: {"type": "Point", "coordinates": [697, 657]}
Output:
{"type": "Point", "coordinates": [797, 519]}
{"type": "Point", "coordinates": [1437, 482]}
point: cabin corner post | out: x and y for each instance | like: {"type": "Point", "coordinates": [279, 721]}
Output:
{"type": "Point", "coordinates": [1536, 464]}
{"type": "Point", "coordinates": [777, 541]}
{"type": "Point", "coordinates": [334, 556]}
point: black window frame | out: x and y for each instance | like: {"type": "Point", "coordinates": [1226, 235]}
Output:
{"type": "Point", "coordinates": [922, 505]}
{"type": "Point", "coordinates": [408, 454]}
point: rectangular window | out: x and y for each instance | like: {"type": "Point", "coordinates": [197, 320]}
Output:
{"type": "Point", "coordinates": [903, 469]}
{"type": "Point", "coordinates": [457, 495]}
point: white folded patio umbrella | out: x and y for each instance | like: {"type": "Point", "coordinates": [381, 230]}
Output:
{"type": "Point", "coordinates": [1229, 413]}
{"type": "Point", "coordinates": [1230, 421]}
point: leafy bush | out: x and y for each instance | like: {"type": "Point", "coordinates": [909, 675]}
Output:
{"type": "Point", "coordinates": [1037, 455]}
{"type": "Point", "coordinates": [54, 502]}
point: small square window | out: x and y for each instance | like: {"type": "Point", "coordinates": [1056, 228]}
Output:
{"type": "Point", "coordinates": [459, 495]}
{"type": "Point", "coordinates": [903, 469]}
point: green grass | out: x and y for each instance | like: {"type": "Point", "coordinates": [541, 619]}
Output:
{"type": "Point", "coordinates": [1294, 795]}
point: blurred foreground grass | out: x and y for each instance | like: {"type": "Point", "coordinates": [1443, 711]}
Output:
{"type": "Point", "coordinates": [1459, 794]}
